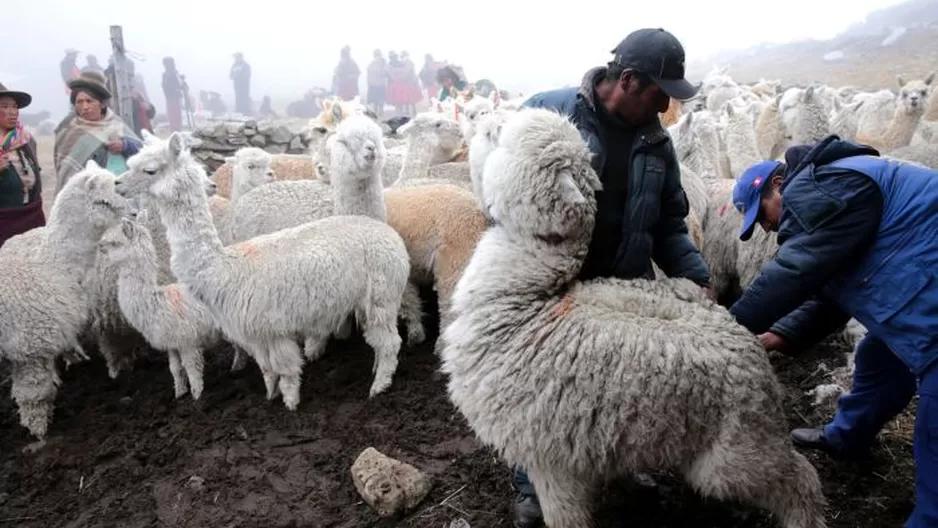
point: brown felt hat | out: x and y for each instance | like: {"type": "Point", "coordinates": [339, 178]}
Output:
{"type": "Point", "coordinates": [93, 82]}
{"type": "Point", "coordinates": [22, 98]}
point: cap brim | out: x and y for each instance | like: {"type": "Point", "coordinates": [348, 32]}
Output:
{"type": "Point", "coordinates": [749, 222]}
{"type": "Point", "coordinates": [678, 89]}
{"type": "Point", "coordinates": [78, 84]}
{"type": "Point", "coordinates": [22, 99]}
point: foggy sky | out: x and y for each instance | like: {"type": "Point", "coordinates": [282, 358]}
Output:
{"type": "Point", "coordinates": [293, 45]}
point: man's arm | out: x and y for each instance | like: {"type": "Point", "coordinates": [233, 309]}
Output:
{"type": "Point", "coordinates": [674, 252]}
{"type": "Point", "coordinates": [810, 323]}
{"type": "Point", "coordinates": [813, 252]}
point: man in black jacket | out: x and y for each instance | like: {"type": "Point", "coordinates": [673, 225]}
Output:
{"type": "Point", "coordinates": [642, 206]}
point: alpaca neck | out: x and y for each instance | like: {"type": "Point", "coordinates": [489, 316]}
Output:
{"type": "Point", "coordinates": [193, 240]}
{"type": "Point", "coordinates": [71, 245]}
{"type": "Point", "coordinates": [703, 160]}
{"type": "Point", "coordinates": [508, 265]}
{"type": "Point", "coordinates": [360, 196]}
{"type": "Point", "coordinates": [136, 283]}
{"type": "Point", "coordinates": [901, 128]}
{"type": "Point", "coordinates": [421, 154]}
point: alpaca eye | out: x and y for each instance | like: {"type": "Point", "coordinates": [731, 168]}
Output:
{"type": "Point", "coordinates": [151, 172]}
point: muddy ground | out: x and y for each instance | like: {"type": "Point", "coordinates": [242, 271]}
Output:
{"type": "Point", "coordinates": [124, 453]}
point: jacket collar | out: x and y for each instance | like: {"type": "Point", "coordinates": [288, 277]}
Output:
{"type": "Point", "coordinates": [653, 133]}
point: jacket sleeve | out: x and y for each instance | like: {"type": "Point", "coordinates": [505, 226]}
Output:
{"type": "Point", "coordinates": [815, 245]}
{"type": "Point", "coordinates": [810, 323]}
{"type": "Point", "coordinates": [674, 252]}
{"type": "Point", "coordinates": [131, 146]}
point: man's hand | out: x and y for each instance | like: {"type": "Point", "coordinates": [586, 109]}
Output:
{"type": "Point", "coordinates": [772, 341]}
{"type": "Point", "coordinates": [710, 293]}
{"type": "Point", "coordinates": [116, 146]}
{"type": "Point", "coordinates": [4, 160]}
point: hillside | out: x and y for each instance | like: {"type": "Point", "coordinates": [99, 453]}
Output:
{"type": "Point", "coordinates": [856, 57]}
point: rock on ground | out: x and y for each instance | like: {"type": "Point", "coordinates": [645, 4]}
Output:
{"type": "Point", "coordinates": [389, 486]}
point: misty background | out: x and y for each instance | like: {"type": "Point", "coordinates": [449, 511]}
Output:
{"type": "Point", "coordinates": [292, 46]}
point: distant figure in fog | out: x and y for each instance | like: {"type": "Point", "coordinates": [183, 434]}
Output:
{"type": "Point", "coordinates": [345, 77]}
{"type": "Point", "coordinates": [241, 77]}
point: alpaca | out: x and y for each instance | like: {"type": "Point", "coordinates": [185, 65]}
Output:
{"type": "Point", "coordinates": [771, 136]}
{"type": "Point", "coordinates": [168, 316]}
{"type": "Point", "coordinates": [808, 121]}
{"type": "Point", "coordinates": [579, 383]}
{"type": "Point", "coordinates": [844, 120]}
{"type": "Point", "coordinates": [43, 302]}
{"type": "Point", "coordinates": [432, 138]}
{"type": "Point", "coordinates": [284, 167]}
{"type": "Point", "coordinates": [741, 149]}
{"type": "Point", "coordinates": [265, 291]}
{"type": "Point", "coordinates": [908, 109]}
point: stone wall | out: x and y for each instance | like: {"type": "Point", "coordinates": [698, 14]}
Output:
{"type": "Point", "coordinates": [220, 140]}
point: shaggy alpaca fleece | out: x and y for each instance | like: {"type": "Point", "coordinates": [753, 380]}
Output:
{"type": "Point", "coordinates": [582, 382]}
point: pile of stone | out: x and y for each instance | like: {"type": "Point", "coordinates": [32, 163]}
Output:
{"type": "Point", "coordinates": [220, 140]}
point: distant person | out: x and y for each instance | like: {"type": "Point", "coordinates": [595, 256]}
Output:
{"type": "Point", "coordinates": [20, 183]}
{"type": "Point", "coordinates": [68, 67]}
{"type": "Point", "coordinates": [266, 110]}
{"type": "Point", "coordinates": [172, 91]}
{"type": "Point", "coordinates": [451, 82]}
{"type": "Point", "coordinates": [414, 93]}
{"type": "Point", "coordinates": [241, 77]}
{"type": "Point", "coordinates": [93, 131]}
{"type": "Point", "coordinates": [91, 64]}
{"type": "Point", "coordinates": [428, 76]}
{"type": "Point", "coordinates": [400, 84]}
{"type": "Point", "coordinates": [377, 83]}
{"type": "Point", "coordinates": [345, 77]}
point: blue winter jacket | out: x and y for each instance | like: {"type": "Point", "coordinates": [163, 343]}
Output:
{"type": "Point", "coordinates": [858, 236]}
{"type": "Point", "coordinates": [653, 226]}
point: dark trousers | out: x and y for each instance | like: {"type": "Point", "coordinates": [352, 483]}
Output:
{"type": "Point", "coordinates": [882, 387]}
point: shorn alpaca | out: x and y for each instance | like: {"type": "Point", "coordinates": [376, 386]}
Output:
{"type": "Point", "coordinates": [43, 305]}
{"type": "Point", "coordinates": [581, 382]}
{"type": "Point", "coordinates": [166, 315]}
{"type": "Point", "coordinates": [265, 292]}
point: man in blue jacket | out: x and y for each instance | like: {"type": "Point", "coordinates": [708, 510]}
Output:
{"type": "Point", "coordinates": [858, 236]}
{"type": "Point", "coordinates": [642, 206]}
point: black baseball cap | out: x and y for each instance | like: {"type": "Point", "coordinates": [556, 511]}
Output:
{"type": "Point", "coordinates": [658, 54]}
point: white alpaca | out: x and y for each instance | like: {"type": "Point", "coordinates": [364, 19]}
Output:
{"type": "Point", "coordinates": [266, 291]}
{"type": "Point", "coordinates": [43, 303]}
{"type": "Point", "coordinates": [168, 316]}
{"type": "Point", "coordinates": [741, 149]}
{"type": "Point", "coordinates": [905, 113]}
{"type": "Point", "coordinates": [579, 383]}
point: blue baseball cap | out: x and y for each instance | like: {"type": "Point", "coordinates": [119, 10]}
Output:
{"type": "Point", "coordinates": [747, 195]}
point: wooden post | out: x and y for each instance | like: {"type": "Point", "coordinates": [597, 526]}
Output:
{"type": "Point", "coordinates": [121, 79]}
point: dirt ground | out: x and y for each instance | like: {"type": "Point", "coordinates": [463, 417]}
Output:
{"type": "Point", "coordinates": [125, 453]}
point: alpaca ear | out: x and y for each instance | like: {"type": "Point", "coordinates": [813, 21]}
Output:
{"type": "Point", "coordinates": [337, 112]}
{"type": "Point", "coordinates": [405, 129]}
{"type": "Point", "coordinates": [929, 79]}
{"type": "Point", "coordinates": [569, 191]}
{"type": "Point", "coordinates": [176, 145]}
{"type": "Point", "coordinates": [900, 80]}
{"type": "Point", "coordinates": [148, 138]}
{"type": "Point", "coordinates": [92, 165]}
{"type": "Point", "coordinates": [142, 216]}
{"type": "Point", "coordinates": [127, 227]}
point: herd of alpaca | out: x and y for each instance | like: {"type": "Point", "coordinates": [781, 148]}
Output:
{"type": "Point", "coordinates": [277, 254]}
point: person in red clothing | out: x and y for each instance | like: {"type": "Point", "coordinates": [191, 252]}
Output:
{"type": "Point", "coordinates": [345, 78]}
{"type": "Point", "coordinates": [428, 76]}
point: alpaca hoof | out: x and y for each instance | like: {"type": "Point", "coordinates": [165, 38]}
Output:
{"type": "Point", "coordinates": [35, 446]}
{"type": "Point", "coordinates": [180, 392]}
{"type": "Point", "coordinates": [378, 388]}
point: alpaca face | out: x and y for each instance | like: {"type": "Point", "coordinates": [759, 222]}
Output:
{"type": "Point", "coordinates": [435, 129]}
{"type": "Point", "coordinates": [359, 146]}
{"type": "Point", "coordinates": [162, 170]}
{"type": "Point", "coordinates": [913, 95]}
{"type": "Point", "coordinates": [95, 193]}
{"type": "Point", "coordinates": [539, 181]}
{"type": "Point", "coordinates": [126, 240]}
{"type": "Point", "coordinates": [251, 167]}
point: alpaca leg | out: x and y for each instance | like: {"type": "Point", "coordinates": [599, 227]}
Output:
{"type": "Point", "coordinates": [262, 357]}
{"type": "Point", "coordinates": [179, 376]}
{"type": "Point", "coordinates": [412, 313]}
{"type": "Point", "coordinates": [193, 363]}
{"type": "Point", "coordinates": [380, 331]}
{"type": "Point", "coordinates": [565, 501]}
{"type": "Point", "coordinates": [314, 346]}
{"type": "Point", "coordinates": [34, 386]}
{"type": "Point", "coordinates": [344, 331]}
{"type": "Point", "coordinates": [115, 357]}
{"type": "Point", "coordinates": [75, 355]}
{"type": "Point", "coordinates": [767, 473]}
{"type": "Point", "coordinates": [239, 360]}
{"type": "Point", "coordinates": [286, 359]}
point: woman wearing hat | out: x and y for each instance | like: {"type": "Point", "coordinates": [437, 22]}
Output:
{"type": "Point", "coordinates": [20, 185]}
{"type": "Point", "coordinates": [92, 132]}
{"type": "Point", "coordinates": [449, 78]}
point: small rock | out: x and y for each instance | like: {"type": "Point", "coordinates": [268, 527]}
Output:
{"type": "Point", "coordinates": [195, 483]}
{"type": "Point", "coordinates": [220, 131]}
{"type": "Point", "coordinates": [258, 140]}
{"type": "Point", "coordinates": [126, 400]}
{"type": "Point", "coordinates": [297, 143]}
{"type": "Point", "coordinates": [249, 132]}
{"type": "Point", "coordinates": [389, 486]}
{"type": "Point", "coordinates": [237, 140]}
{"type": "Point", "coordinates": [235, 128]}
{"type": "Point", "coordinates": [459, 523]}
{"type": "Point", "coordinates": [276, 149]}
{"type": "Point", "coordinates": [265, 127]}
{"type": "Point", "coordinates": [250, 124]}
